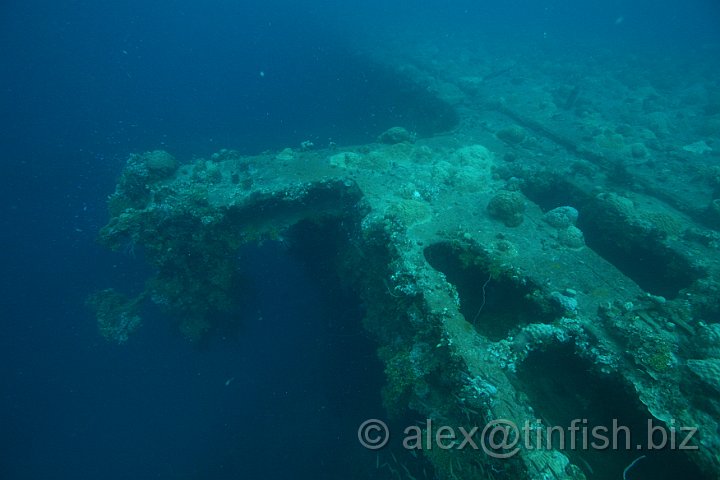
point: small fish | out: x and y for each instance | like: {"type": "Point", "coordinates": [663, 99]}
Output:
{"type": "Point", "coordinates": [229, 381]}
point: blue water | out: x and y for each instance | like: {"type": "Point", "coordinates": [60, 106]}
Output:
{"type": "Point", "coordinates": [85, 83]}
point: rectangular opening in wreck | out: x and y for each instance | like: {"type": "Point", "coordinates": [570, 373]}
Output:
{"type": "Point", "coordinates": [491, 299]}
{"type": "Point", "coordinates": [638, 253]}
{"type": "Point", "coordinates": [564, 388]}
{"type": "Point", "coordinates": [316, 375]}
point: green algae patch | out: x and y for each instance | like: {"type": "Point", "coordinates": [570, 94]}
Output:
{"type": "Point", "coordinates": [117, 314]}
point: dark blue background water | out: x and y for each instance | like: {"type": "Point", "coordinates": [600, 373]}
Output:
{"type": "Point", "coordinates": [83, 84]}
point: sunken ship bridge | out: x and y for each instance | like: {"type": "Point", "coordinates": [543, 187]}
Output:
{"type": "Point", "coordinates": [523, 266]}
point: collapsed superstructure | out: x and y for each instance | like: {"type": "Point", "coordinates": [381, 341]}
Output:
{"type": "Point", "coordinates": [547, 260]}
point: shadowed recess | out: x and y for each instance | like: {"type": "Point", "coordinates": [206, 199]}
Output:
{"type": "Point", "coordinates": [492, 302]}
{"type": "Point", "coordinates": [563, 388]}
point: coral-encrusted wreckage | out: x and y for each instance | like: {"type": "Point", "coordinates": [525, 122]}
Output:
{"type": "Point", "coordinates": [526, 265]}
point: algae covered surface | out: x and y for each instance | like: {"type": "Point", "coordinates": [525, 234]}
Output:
{"type": "Point", "coordinates": [551, 258]}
